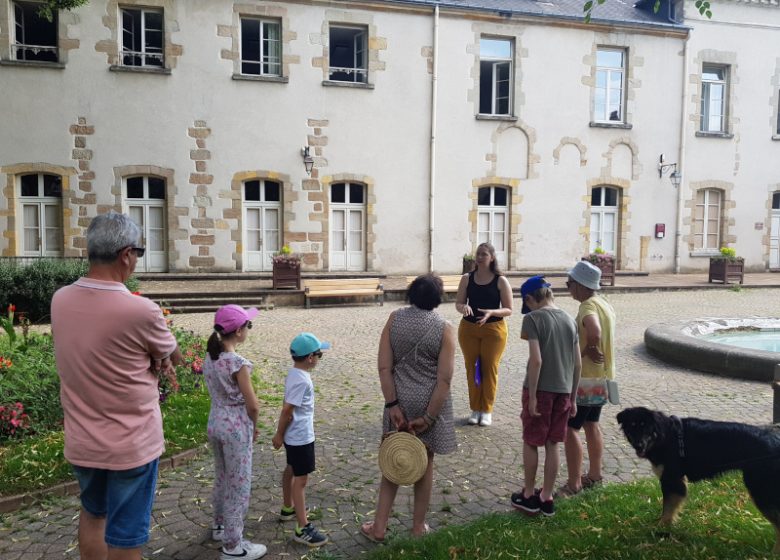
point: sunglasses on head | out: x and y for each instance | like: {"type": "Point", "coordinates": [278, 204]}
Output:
{"type": "Point", "coordinates": [248, 324]}
{"type": "Point", "coordinates": [139, 251]}
{"type": "Point", "coordinates": [318, 353]}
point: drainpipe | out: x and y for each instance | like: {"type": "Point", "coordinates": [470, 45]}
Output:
{"type": "Point", "coordinates": [681, 158]}
{"type": "Point", "coordinates": [432, 174]}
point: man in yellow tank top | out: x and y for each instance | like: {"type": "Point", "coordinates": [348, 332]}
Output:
{"type": "Point", "coordinates": [596, 329]}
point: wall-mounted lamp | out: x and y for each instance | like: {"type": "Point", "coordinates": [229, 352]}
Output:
{"type": "Point", "coordinates": [675, 176]}
{"type": "Point", "coordinates": [308, 161]}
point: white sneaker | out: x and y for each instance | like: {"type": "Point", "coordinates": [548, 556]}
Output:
{"type": "Point", "coordinates": [246, 551]}
{"type": "Point", "coordinates": [474, 418]}
{"type": "Point", "coordinates": [486, 420]}
{"type": "Point", "coordinates": [217, 532]}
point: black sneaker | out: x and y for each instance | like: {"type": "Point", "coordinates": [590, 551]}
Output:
{"type": "Point", "coordinates": [530, 505]}
{"type": "Point", "coordinates": [310, 536]}
{"type": "Point", "coordinates": [547, 508]}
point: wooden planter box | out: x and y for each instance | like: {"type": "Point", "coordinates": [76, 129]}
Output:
{"type": "Point", "coordinates": [607, 271]}
{"type": "Point", "coordinates": [726, 271]}
{"type": "Point", "coordinates": [468, 266]}
{"type": "Point", "coordinates": [286, 276]}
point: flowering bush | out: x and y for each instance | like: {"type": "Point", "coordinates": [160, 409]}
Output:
{"type": "Point", "coordinates": [13, 420]}
{"type": "Point", "coordinates": [728, 254]}
{"type": "Point", "coordinates": [600, 257]}
{"type": "Point", "coordinates": [286, 257]}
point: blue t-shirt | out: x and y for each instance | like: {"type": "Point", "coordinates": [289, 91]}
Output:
{"type": "Point", "coordinates": [299, 392]}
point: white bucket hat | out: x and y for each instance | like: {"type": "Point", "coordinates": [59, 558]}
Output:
{"type": "Point", "coordinates": [587, 274]}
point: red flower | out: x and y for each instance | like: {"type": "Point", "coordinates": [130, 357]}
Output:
{"type": "Point", "coordinates": [11, 308]}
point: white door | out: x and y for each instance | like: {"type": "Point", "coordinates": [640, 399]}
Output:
{"type": "Point", "coordinates": [347, 229]}
{"type": "Point", "coordinates": [41, 215]}
{"type": "Point", "coordinates": [262, 209]}
{"type": "Point", "coordinates": [493, 221]}
{"type": "Point", "coordinates": [774, 233]}
{"type": "Point", "coordinates": [146, 206]}
{"type": "Point", "coordinates": [604, 219]}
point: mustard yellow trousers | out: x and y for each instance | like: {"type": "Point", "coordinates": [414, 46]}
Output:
{"type": "Point", "coordinates": [486, 342]}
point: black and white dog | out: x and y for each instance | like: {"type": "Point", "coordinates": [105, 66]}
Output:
{"type": "Point", "coordinates": [682, 449]}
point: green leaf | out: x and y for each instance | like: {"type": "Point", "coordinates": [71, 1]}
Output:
{"type": "Point", "coordinates": [588, 6]}
{"type": "Point", "coordinates": [708, 14]}
{"type": "Point", "coordinates": [656, 6]}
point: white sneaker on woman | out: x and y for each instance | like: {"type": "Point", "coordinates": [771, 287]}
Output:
{"type": "Point", "coordinates": [474, 418]}
{"type": "Point", "coordinates": [486, 419]}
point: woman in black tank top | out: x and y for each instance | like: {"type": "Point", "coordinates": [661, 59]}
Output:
{"type": "Point", "coordinates": [484, 299]}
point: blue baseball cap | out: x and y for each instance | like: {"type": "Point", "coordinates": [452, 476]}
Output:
{"type": "Point", "coordinates": [305, 344]}
{"type": "Point", "coordinates": [530, 286]}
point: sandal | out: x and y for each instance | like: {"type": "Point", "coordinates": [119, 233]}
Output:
{"type": "Point", "coordinates": [588, 482]}
{"type": "Point", "coordinates": [367, 530]}
{"type": "Point", "coordinates": [566, 491]}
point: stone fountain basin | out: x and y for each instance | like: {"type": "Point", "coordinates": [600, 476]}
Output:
{"type": "Point", "coordinates": [680, 343]}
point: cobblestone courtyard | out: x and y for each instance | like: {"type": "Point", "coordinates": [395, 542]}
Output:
{"type": "Point", "coordinates": [475, 480]}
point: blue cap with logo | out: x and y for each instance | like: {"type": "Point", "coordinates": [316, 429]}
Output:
{"type": "Point", "coordinates": [306, 343]}
{"type": "Point", "coordinates": [530, 286]}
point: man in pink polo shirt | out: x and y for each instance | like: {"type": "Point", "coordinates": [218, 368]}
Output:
{"type": "Point", "coordinates": [111, 346]}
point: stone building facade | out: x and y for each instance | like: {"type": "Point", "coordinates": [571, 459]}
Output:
{"type": "Point", "coordinates": [430, 127]}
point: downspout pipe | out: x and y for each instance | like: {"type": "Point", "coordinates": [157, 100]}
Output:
{"type": "Point", "coordinates": [681, 158]}
{"type": "Point", "coordinates": [434, 108]}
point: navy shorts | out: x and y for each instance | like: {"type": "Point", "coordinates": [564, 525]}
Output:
{"type": "Point", "coordinates": [124, 498]}
{"type": "Point", "coordinates": [300, 458]}
{"type": "Point", "coordinates": [585, 414]}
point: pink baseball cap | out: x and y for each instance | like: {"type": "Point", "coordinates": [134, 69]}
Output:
{"type": "Point", "coordinates": [232, 317]}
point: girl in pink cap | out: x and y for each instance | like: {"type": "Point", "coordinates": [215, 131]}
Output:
{"type": "Point", "coordinates": [232, 429]}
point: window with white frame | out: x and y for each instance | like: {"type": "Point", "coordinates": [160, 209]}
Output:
{"type": "Point", "coordinates": [495, 76]}
{"type": "Point", "coordinates": [41, 203]}
{"type": "Point", "coordinates": [707, 219]}
{"type": "Point", "coordinates": [713, 98]}
{"type": "Point", "coordinates": [145, 204]}
{"type": "Point", "coordinates": [35, 37]}
{"type": "Point", "coordinates": [777, 131]}
{"type": "Point", "coordinates": [604, 219]}
{"type": "Point", "coordinates": [348, 54]}
{"type": "Point", "coordinates": [142, 37]}
{"type": "Point", "coordinates": [610, 85]}
{"type": "Point", "coordinates": [493, 220]}
{"type": "Point", "coordinates": [261, 47]}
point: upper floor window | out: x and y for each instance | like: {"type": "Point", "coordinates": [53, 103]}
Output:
{"type": "Point", "coordinates": [610, 84]}
{"type": "Point", "coordinates": [142, 37]}
{"type": "Point", "coordinates": [713, 98]}
{"type": "Point", "coordinates": [348, 54]}
{"type": "Point", "coordinates": [495, 76]}
{"type": "Point", "coordinates": [261, 47]}
{"type": "Point", "coordinates": [35, 38]}
{"type": "Point", "coordinates": [706, 220]}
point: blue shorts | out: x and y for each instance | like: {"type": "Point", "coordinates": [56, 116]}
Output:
{"type": "Point", "coordinates": [124, 498]}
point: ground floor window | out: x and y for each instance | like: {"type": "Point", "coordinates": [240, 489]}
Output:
{"type": "Point", "coordinates": [41, 206]}
{"type": "Point", "coordinates": [145, 203]}
{"type": "Point", "coordinates": [706, 220]}
{"type": "Point", "coordinates": [493, 221]}
{"type": "Point", "coordinates": [347, 226]}
{"type": "Point", "coordinates": [604, 219]}
{"type": "Point", "coordinates": [262, 222]}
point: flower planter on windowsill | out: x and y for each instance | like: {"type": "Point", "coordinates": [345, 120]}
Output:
{"type": "Point", "coordinates": [727, 271]}
{"type": "Point", "coordinates": [286, 274]}
{"type": "Point", "coordinates": [606, 264]}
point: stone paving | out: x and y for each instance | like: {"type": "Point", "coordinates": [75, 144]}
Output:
{"type": "Point", "coordinates": [475, 480]}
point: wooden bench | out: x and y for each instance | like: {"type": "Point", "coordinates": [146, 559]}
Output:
{"type": "Point", "coordinates": [343, 287]}
{"type": "Point", "coordinates": [450, 281]}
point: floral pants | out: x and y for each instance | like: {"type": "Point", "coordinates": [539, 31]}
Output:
{"type": "Point", "coordinates": [230, 433]}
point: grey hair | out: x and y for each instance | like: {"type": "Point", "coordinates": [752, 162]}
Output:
{"type": "Point", "coordinates": [108, 234]}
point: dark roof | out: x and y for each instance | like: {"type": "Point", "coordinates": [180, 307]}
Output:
{"type": "Point", "coordinates": [635, 12]}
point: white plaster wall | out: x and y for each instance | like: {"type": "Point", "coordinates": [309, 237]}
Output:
{"type": "Point", "coordinates": [384, 133]}
{"type": "Point", "coordinates": [751, 159]}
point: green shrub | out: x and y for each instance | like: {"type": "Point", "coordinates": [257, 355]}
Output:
{"type": "Point", "coordinates": [30, 287]}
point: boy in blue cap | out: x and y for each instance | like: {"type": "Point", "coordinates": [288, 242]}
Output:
{"type": "Point", "coordinates": [549, 390]}
{"type": "Point", "coordinates": [296, 431]}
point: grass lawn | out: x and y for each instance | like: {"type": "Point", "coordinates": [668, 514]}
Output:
{"type": "Point", "coordinates": [616, 522]}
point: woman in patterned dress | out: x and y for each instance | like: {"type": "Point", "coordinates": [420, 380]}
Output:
{"type": "Point", "coordinates": [416, 361]}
